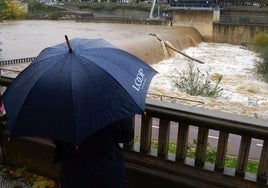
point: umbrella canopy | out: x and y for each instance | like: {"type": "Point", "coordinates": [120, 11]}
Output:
{"type": "Point", "coordinates": [70, 94]}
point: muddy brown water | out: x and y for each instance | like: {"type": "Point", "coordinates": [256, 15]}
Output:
{"type": "Point", "coordinates": [27, 38]}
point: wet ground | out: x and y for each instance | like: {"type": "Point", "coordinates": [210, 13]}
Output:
{"type": "Point", "coordinates": [20, 177]}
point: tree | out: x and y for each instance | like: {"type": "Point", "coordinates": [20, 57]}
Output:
{"type": "Point", "coordinates": [2, 8]}
{"type": "Point", "coordinates": [10, 10]}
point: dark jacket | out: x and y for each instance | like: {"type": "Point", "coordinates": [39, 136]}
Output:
{"type": "Point", "coordinates": [98, 162]}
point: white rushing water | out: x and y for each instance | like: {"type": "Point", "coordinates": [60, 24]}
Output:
{"type": "Point", "coordinates": [243, 91]}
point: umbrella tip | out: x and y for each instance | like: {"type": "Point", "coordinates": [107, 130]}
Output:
{"type": "Point", "coordinates": [68, 44]}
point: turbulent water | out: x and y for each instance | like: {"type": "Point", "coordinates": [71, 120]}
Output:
{"type": "Point", "coordinates": [243, 91]}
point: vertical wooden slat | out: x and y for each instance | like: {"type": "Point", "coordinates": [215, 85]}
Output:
{"type": "Point", "coordinates": [243, 156]}
{"type": "Point", "coordinates": [221, 151]}
{"type": "Point", "coordinates": [146, 134]}
{"type": "Point", "coordinates": [263, 164]}
{"type": "Point", "coordinates": [163, 140]}
{"type": "Point", "coordinates": [130, 144]}
{"type": "Point", "coordinates": [182, 141]}
{"type": "Point", "coordinates": [201, 147]}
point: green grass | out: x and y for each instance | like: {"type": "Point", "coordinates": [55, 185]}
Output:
{"type": "Point", "coordinates": [230, 161]}
{"type": "Point", "coordinates": [252, 166]}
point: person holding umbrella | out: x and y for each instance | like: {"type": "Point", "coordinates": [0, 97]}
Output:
{"type": "Point", "coordinates": [98, 161]}
{"type": "Point", "coordinates": [83, 96]}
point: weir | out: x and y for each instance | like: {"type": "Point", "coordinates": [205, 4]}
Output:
{"type": "Point", "coordinates": [147, 47]}
{"type": "Point", "coordinates": [151, 50]}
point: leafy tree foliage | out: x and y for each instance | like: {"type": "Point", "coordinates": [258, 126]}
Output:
{"type": "Point", "coordinates": [34, 7]}
{"type": "Point", "coordinates": [10, 10]}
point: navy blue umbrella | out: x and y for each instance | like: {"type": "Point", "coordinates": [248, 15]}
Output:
{"type": "Point", "coordinates": [70, 93]}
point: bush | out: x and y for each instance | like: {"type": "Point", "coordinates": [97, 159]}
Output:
{"type": "Point", "coordinates": [260, 45]}
{"type": "Point", "coordinates": [196, 83]}
{"type": "Point", "coordinates": [36, 7]}
{"type": "Point", "coordinates": [10, 10]}
{"type": "Point", "coordinates": [262, 66]}
{"type": "Point", "coordinates": [261, 42]}
{"type": "Point", "coordinates": [38, 10]}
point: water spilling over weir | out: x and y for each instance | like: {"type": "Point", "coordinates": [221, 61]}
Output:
{"type": "Point", "coordinates": [151, 50]}
{"type": "Point", "coordinates": [27, 38]}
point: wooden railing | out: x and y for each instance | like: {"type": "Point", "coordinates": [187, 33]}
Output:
{"type": "Point", "coordinates": [196, 171]}
{"type": "Point", "coordinates": [147, 166]}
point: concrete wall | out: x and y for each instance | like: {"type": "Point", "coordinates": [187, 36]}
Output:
{"type": "Point", "coordinates": [212, 29]}
{"type": "Point", "coordinates": [242, 16]}
{"type": "Point", "coordinates": [200, 20]}
{"type": "Point", "coordinates": [236, 33]}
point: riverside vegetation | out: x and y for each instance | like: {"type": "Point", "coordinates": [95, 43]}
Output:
{"type": "Point", "coordinates": [196, 83]}
{"type": "Point", "coordinates": [260, 45]}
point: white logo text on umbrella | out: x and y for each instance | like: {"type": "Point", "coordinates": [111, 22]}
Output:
{"type": "Point", "coordinates": [139, 80]}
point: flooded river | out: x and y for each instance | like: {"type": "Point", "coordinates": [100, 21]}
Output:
{"type": "Point", "coordinates": [243, 90]}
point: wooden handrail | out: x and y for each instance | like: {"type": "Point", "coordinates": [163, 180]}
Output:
{"type": "Point", "coordinates": [185, 116]}
{"type": "Point", "coordinates": [211, 119]}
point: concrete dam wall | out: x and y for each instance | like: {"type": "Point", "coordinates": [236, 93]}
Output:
{"type": "Point", "coordinates": [237, 33]}
{"type": "Point", "coordinates": [226, 26]}
{"type": "Point", "coordinates": [234, 26]}
{"type": "Point", "coordinates": [200, 20]}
